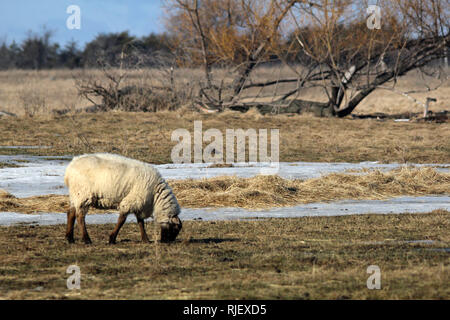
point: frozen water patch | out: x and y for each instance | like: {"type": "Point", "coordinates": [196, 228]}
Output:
{"type": "Point", "coordinates": [35, 176]}
{"type": "Point", "coordinates": [288, 170]}
{"type": "Point", "coordinates": [45, 219]}
{"type": "Point", "coordinates": [339, 208]}
{"type": "Point", "coordinates": [45, 175]}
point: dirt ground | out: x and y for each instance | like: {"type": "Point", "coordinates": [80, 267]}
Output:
{"type": "Point", "coordinates": [306, 258]}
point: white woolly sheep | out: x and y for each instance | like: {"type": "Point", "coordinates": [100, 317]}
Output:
{"type": "Point", "coordinates": [109, 181]}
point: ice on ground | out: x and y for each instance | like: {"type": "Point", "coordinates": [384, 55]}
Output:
{"type": "Point", "coordinates": [288, 170]}
{"type": "Point", "coordinates": [36, 175]}
{"type": "Point", "coordinates": [338, 208]}
{"type": "Point", "coordinates": [39, 175]}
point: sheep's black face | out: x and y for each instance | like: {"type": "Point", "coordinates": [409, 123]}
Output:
{"type": "Point", "coordinates": [170, 231]}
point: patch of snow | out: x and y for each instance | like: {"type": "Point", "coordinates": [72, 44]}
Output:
{"type": "Point", "coordinates": [36, 176]}
{"type": "Point", "coordinates": [41, 175]}
{"type": "Point", "coordinates": [339, 208]}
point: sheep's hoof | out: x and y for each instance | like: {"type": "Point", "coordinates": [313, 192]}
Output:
{"type": "Point", "coordinates": [87, 241]}
{"type": "Point", "coordinates": [70, 238]}
{"type": "Point", "coordinates": [112, 240]}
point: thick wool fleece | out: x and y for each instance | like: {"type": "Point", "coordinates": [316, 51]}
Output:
{"type": "Point", "coordinates": [111, 181]}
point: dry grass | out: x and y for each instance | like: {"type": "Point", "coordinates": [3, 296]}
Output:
{"type": "Point", "coordinates": [307, 258]}
{"type": "Point", "coordinates": [147, 136]}
{"type": "Point", "coordinates": [271, 191]}
{"type": "Point", "coordinates": [48, 203]}
{"type": "Point", "coordinates": [274, 191]}
{"type": "Point", "coordinates": [53, 89]}
{"type": "Point", "coordinates": [39, 92]}
{"type": "Point", "coordinates": [35, 204]}
{"type": "Point", "coordinates": [8, 165]}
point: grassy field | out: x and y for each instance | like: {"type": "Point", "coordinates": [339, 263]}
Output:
{"type": "Point", "coordinates": [40, 92]}
{"type": "Point", "coordinates": [147, 136]}
{"type": "Point", "coordinates": [306, 258]}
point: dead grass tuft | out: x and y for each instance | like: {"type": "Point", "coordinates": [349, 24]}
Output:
{"type": "Point", "coordinates": [5, 194]}
{"type": "Point", "coordinates": [8, 165]}
{"type": "Point", "coordinates": [47, 203]}
{"type": "Point", "coordinates": [274, 191]}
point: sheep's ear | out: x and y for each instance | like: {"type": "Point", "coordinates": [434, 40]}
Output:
{"type": "Point", "coordinates": [176, 220]}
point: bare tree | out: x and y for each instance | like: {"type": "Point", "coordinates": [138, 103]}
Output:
{"type": "Point", "coordinates": [323, 43]}
{"type": "Point", "coordinates": [129, 85]}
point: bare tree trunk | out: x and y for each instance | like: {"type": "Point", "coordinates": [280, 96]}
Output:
{"type": "Point", "coordinates": [319, 109]}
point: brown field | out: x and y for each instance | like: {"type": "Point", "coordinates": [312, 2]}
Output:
{"type": "Point", "coordinates": [271, 191]}
{"type": "Point", "coordinates": [40, 92]}
{"type": "Point", "coordinates": [147, 136]}
{"type": "Point", "coordinates": [306, 258]}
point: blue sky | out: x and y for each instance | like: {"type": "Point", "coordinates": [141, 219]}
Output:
{"type": "Point", "coordinates": [139, 17]}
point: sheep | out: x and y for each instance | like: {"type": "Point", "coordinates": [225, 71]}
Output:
{"type": "Point", "coordinates": [109, 181]}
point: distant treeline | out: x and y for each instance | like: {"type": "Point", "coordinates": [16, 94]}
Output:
{"type": "Point", "coordinates": [38, 51]}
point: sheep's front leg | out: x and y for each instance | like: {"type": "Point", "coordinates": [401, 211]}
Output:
{"type": "Point", "coordinates": [71, 215]}
{"type": "Point", "coordinates": [82, 223]}
{"type": "Point", "coordinates": [120, 222]}
{"type": "Point", "coordinates": [144, 237]}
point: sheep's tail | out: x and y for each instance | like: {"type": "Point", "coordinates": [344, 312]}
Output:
{"type": "Point", "coordinates": [66, 180]}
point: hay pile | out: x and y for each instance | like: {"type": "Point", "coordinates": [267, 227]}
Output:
{"type": "Point", "coordinates": [47, 203]}
{"type": "Point", "coordinates": [272, 191]}
{"type": "Point", "coordinates": [5, 194]}
{"type": "Point", "coordinates": [8, 165]}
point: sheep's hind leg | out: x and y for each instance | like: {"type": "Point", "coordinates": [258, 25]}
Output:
{"type": "Point", "coordinates": [120, 222]}
{"type": "Point", "coordinates": [71, 215]}
{"type": "Point", "coordinates": [144, 237]}
{"type": "Point", "coordinates": [81, 214]}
